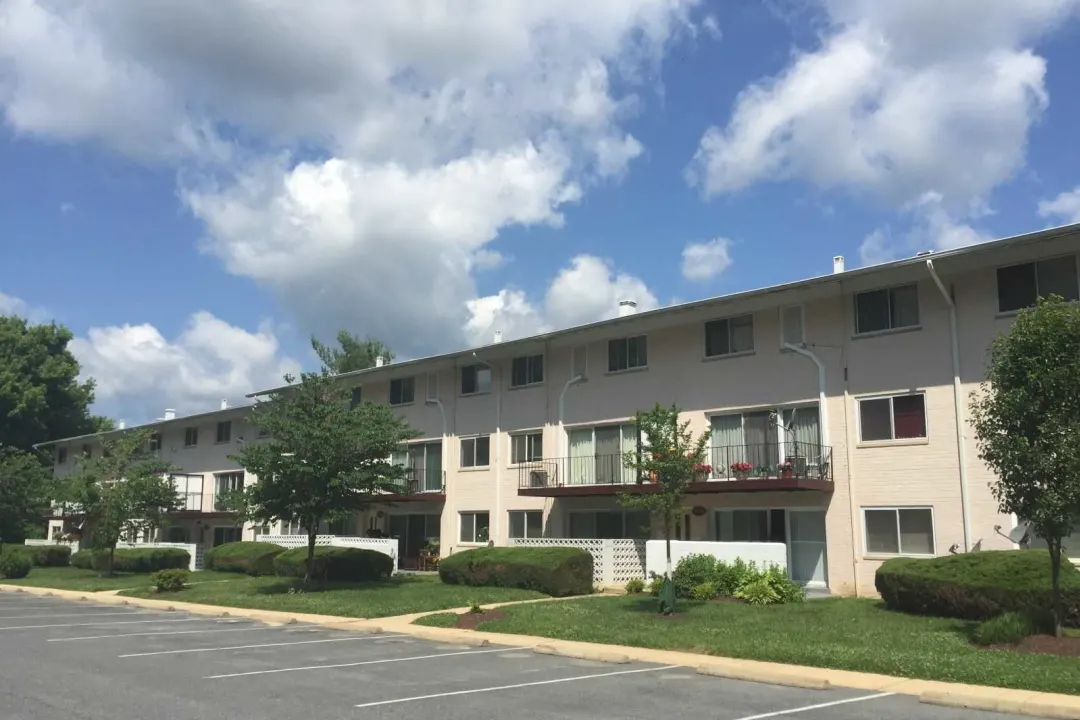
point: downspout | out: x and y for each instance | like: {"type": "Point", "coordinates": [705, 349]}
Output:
{"type": "Point", "coordinates": [958, 405]}
{"type": "Point", "coordinates": [856, 544]}
{"type": "Point", "coordinates": [496, 381]}
{"type": "Point", "coordinates": [562, 407]}
{"type": "Point", "coordinates": [823, 411]}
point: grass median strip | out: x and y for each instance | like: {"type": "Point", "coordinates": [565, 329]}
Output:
{"type": "Point", "coordinates": [840, 633]}
{"type": "Point", "coordinates": [401, 595]}
{"type": "Point", "coordinates": [70, 578]}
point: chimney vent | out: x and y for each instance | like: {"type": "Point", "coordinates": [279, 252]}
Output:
{"type": "Point", "coordinates": [924, 253]}
{"type": "Point", "coordinates": [170, 414]}
{"type": "Point", "coordinates": [498, 336]}
{"type": "Point", "coordinates": [379, 361]}
{"type": "Point", "coordinates": [120, 424]}
{"type": "Point", "coordinates": [838, 264]}
{"type": "Point", "coordinates": [627, 307]}
{"type": "Point", "coordinates": [224, 404]}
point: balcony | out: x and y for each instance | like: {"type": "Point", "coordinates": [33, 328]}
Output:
{"type": "Point", "coordinates": [419, 484]}
{"type": "Point", "coordinates": [200, 505]}
{"type": "Point", "coordinates": [734, 468]}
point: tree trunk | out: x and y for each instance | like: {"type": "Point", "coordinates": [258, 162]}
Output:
{"type": "Point", "coordinates": [667, 543]}
{"type": "Point", "coordinates": [109, 564]}
{"type": "Point", "coordinates": [1055, 582]}
{"type": "Point", "coordinates": [310, 557]}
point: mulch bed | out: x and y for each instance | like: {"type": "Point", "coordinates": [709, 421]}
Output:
{"type": "Point", "coordinates": [469, 621]}
{"type": "Point", "coordinates": [1045, 645]}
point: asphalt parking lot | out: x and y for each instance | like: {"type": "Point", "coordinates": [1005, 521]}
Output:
{"type": "Point", "coordinates": [62, 660]}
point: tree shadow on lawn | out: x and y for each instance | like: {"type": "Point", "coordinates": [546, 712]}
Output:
{"type": "Point", "coordinates": [295, 587]}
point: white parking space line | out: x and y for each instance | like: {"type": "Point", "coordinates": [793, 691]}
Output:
{"type": "Point", "coordinates": [178, 632]}
{"type": "Point", "coordinates": [366, 662]}
{"type": "Point", "coordinates": [819, 706]}
{"type": "Point", "coordinates": [98, 624]}
{"type": "Point", "coordinates": [53, 606]}
{"type": "Point", "coordinates": [515, 686]}
{"type": "Point", "coordinates": [58, 615]}
{"type": "Point", "coordinates": [261, 645]}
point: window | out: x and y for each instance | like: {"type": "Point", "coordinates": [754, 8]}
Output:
{"type": "Point", "coordinates": [729, 336]}
{"type": "Point", "coordinates": [155, 442]}
{"type": "Point", "coordinates": [614, 524]}
{"type": "Point", "coordinates": [224, 431]}
{"type": "Point", "coordinates": [751, 526]}
{"type": "Point", "coordinates": [356, 396]}
{"type": "Point", "coordinates": [189, 487]}
{"type": "Point", "coordinates": [526, 523]}
{"type": "Point", "coordinates": [526, 448]}
{"type": "Point", "coordinates": [475, 451]}
{"type": "Point", "coordinates": [899, 417]}
{"type": "Point", "coordinates": [224, 535]}
{"type": "Point", "coordinates": [1019, 286]}
{"type": "Point", "coordinates": [791, 325]}
{"type": "Point", "coordinates": [176, 534]}
{"type": "Point", "coordinates": [230, 482]}
{"type": "Point", "coordinates": [888, 309]}
{"type": "Point", "coordinates": [424, 461]}
{"type": "Point", "coordinates": [899, 531]}
{"type": "Point", "coordinates": [527, 370]}
{"type": "Point", "coordinates": [628, 353]}
{"type": "Point", "coordinates": [475, 379]}
{"type": "Point", "coordinates": [475, 527]}
{"type": "Point", "coordinates": [402, 391]}
{"type": "Point", "coordinates": [61, 455]}
{"type": "Point", "coordinates": [191, 436]}
{"type": "Point", "coordinates": [88, 452]}
{"type": "Point", "coordinates": [596, 455]}
{"type": "Point", "coordinates": [766, 438]}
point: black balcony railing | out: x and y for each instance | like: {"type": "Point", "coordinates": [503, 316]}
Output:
{"type": "Point", "coordinates": [422, 480]}
{"type": "Point", "coordinates": [191, 502]}
{"type": "Point", "coordinates": [794, 461]}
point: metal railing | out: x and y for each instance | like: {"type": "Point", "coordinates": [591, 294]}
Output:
{"type": "Point", "coordinates": [790, 461]}
{"type": "Point", "coordinates": [420, 480]}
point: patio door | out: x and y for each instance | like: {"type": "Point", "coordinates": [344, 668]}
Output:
{"type": "Point", "coordinates": [596, 455]}
{"type": "Point", "coordinates": [806, 548]}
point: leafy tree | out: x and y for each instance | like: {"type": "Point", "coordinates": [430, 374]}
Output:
{"type": "Point", "coordinates": [354, 353]}
{"type": "Point", "coordinates": [123, 491]}
{"type": "Point", "coordinates": [23, 494]}
{"type": "Point", "coordinates": [1027, 422]}
{"type": "Point", "coordinates": [669, 456]}
{"type": "Point", "coordinates": [323, 461]}
{"type": "Point", "coordinates": [41, 397]}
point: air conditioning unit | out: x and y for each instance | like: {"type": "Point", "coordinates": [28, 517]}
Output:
{"type": "Point", "coordinates": [538, 478]}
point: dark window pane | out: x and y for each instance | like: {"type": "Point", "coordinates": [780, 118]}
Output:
{"type": "Point", "coordinates": [617, 355]}
{"type": "Point", "coordinates": [609, 525]}
{"type": "Point", "coordinates": [881, 532]}
{"type": "Point", "coordinates": [1016, 287]}
{"type": "Point", "coordinates": [483, 451]}
{"type": "Point", "coordinates": [356, 397]}
{"type": "Point", "coordinates": [1057, 276]}
{"type": "Point", "coordinates": [872, 311]}
{"type": "Point", "coordinates": [534, 520]}
{"type": "Point", "coordinates": [536, 369]}
{"type": "Point", "coordinates": [916, 531]}
{"type": "Point", "coordinates": [909, 416]}
{"type": "Point", "coordinates": [637, 352]}
{"type": "Point", "coordinates": [716, 338]}
{"type": "Point", "coordinates": [874, 419]}
{"type": "Point", "coordinates": [468, 380]}
{"type": "Point", "coordinates": [904, 306]}
{"type": "Point", "coordinates": [742, 333]}
{"type": "Point", "coordinates": [519, 372]}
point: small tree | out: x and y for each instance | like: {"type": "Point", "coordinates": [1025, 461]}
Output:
{"type": "Point", "coordinates": [354, 353]}
{"type": "Point", "coordinates": [23, 497]}
{"type": "Point", "coordinates": [123, 492]}
{"type": "Point", "coordinates": [670, 457]}
{"type": "Point", "coordinates": [1027, 422]}
{"type": "Point", "coordinates": [324, 460]}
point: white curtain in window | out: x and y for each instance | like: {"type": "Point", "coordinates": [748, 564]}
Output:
{"type": "Point", "coordinates": [581, 469]}
{"type": "Point", "coordinates": [805, 431]}
{"type": "Point", "coordinates": [628, 445]}
{"type": "Point", "coordinates": [727, 443]}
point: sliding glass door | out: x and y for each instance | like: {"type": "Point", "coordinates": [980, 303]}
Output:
{"type": "Point", "coordinates": [596, 455]}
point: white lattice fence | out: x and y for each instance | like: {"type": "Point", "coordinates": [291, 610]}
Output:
{"type": "Point", "coordinates": [614, 561]}
{"type": "Point", "coordinates": [387, 546]}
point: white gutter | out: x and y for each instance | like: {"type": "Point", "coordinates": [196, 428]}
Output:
{"type": "Point", "coordinates": [822, 409]}
{"type": "Point", "coordinates": [958, 405]}
{"type": "Point", "coordinates": [496, 381]}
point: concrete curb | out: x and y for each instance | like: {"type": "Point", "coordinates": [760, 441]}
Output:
{"type": "Point", "coordinates": [734, 671]}
{"type": "Point", "coordinates": [596, 654]}
{"type": "Point", "coordinates": [1030, 703]}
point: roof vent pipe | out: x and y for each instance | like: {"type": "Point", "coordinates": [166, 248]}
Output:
{"type": "Point", "coordinates": [498, 336]}
{"type": "Point", "coordinates": [170, 414]}
{"type": "Point", "coordinates": [224, 404]}
{"type": "Point", "coordinates": [838, 264]}
{"type": "Point", "coordinates": [627, 307]}
{"type": "Point", "coordinates": [379, 361]}
{"type": "Point", "coordinates": [120, 424]}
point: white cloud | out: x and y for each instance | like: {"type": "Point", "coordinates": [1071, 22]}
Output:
{"type": "Point", "coordinates": [67, 208]}
{"type": "Point", "coordinates": [11, 305]}
{"type": "Point", "coordinates": [1064, 208]}
{"type": "Point", "coordinates": [139, 372]}
{"type": "Point", "coordinates": [932, 228]}
{"type": "Point", "coordinates": [705, 260]}
{"type": "Point", "coordinates": [901, 98]}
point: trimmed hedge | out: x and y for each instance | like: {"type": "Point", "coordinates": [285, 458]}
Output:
{"type": "Point", "coordinates": [14, 565]}
{"type": "Point", "coordinates": [133, 560]}
{"type": "Point", "coordinates": [977, 586]}
{"type": "Point", "coordinates": [253, 558]}
{"type": "Point", "coordinates": [555, 571]}
{"type": "Point", "coordinates": [335, 564]}
{"type": "Point", "coordinates": [46, 555]}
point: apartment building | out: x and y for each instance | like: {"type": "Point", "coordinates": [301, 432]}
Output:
{"type": "Point", "coordinates": [836, 410]}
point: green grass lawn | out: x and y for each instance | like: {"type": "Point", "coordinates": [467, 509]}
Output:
{"type": "Point", "coordinates": [401, 595]}
{"type": "Point", "coordinates": [69, 578]}
{"type": "Point", "coordinates": [842, 633]}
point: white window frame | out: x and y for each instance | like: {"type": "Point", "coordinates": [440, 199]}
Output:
{"type": "Point", "coordinates": [461, 452]}
{"type": "Point", "coordinates": [629, 367]}
{"type": "Point", "coordinates": [729, 353]}
{"type": "Point", "coordinates": [888, 294]}
{"type": "Point", "coordinates": [189, 432]}
{"type": "Point", "coordinates": [525, 523]}
{"type": "Point", "coordinates": [802, 324]}
{"type": "Point", "coordinates": [402, 401]}
{"type": "Point", "coordinates": [227, 424]}
{"type": "Point", "coordinates": [896, 510]}
{"type": "Point", "coordinates": [478, 368]}
{"type": "Point", "coordinates": [221, 478]}
{"type": "Point", "coordinates": [1035, 263]}
{"type": "Point", "coordinates": [527, 359]}
{"type": "Point", "coordinates": [892, 419]}
{"type": "Point", "coordinates": [472, 515]}
{"type": "Point", "coordinates": [526, 434]}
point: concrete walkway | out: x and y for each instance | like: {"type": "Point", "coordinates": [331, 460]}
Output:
{"type": "Point", "coordinates": [1020, 702]}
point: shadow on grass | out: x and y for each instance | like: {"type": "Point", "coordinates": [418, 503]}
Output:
{"type": "Point", "coordinates": [286, 586]}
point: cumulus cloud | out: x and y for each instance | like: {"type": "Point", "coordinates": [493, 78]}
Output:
{"type": "Point", "coordinates": [901, 98]}
{"type": "Point", "coordinates": [703, 261]}
{"type": "Point", "coordinates": [1064, 208]}
{"type": "Point", "coordinates": [12, 305]}
{"type": "Point", "coordinates": [932, 228]}
{"type": "Point", "coordinates": [139, 372]}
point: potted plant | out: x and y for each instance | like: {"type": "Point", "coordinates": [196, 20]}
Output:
{"type": "Point", "coordinates": [785, 470]}
{"type": "Point", "coordinates": [741, 470]}
{"type": "Point", "coordinates": [702, 471]}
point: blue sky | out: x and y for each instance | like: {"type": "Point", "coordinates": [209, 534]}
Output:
{"type": "Point", "coordinates": [195, 187]}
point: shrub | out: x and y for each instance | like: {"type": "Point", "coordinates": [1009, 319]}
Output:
{"type": "Point", "coordinates": [45, 555]}
{"type": "Point", "coordinates": [635, 586]}
{"type": "Point", "coordinates": [655, 583]}
{"type": "Point", "coordinates": [555, 571]}
{"type": "Point", "coordinates": [786, 589]}
{"type": "Point", "coordinates": [14, 565]}
{"type": "Point", "coordinates": [169, 580]}
{"type": "Point", "coordinates": [977, 586]}
{"type": "Point", "coordinates": [704, 591]}
{"type": "Point", "coordinates": [691, 571]}
{"type": "Point", "coordinates": [1012, 627]}
{"type": "Point", "coordinates": [253, 558]}
{"type": "Point", "coordinates": [758, 591]}
{"type": "Point", "coordinates": [133, 560]}
{"type": "Point", "coordinates": [335, 564]}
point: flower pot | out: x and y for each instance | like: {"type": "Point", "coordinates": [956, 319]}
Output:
{"type": "Point", "coordinates": [742, 474]}
{"type": "Point", "coordinates": [787, 474]}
